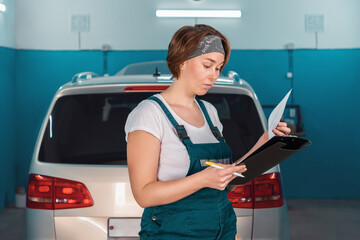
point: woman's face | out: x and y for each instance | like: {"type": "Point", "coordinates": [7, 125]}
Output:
{"type": "Point", "coordinates": [200, 73]}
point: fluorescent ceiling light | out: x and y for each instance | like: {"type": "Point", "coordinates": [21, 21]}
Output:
{"type": "Point", "coordinates": [199, 13]}
{"type": "Point", "coordinates": [2, 7]}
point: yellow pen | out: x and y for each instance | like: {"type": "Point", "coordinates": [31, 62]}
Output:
{"type": "Point", "coordinates": [215, 165]}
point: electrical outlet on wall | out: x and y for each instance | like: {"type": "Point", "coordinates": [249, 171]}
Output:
{"type": "Point", "coordinates": [314, 23]}
{"type": "Point", "coordinates": [80, 23]}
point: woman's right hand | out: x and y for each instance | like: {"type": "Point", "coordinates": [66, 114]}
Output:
{"type": "Point", "coordinates": [220, 178]}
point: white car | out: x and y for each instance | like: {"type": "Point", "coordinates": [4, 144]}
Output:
{"type": "Point", "coordinates": [79, 184]}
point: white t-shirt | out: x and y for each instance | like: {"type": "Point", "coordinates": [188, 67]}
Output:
{"type": "Point", "coordinates": [174, 159]}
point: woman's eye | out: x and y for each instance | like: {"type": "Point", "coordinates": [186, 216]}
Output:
{"type": "Point", "coordinates": [217, 69]}
{"type": "Point", "coordinates": [205, 66]}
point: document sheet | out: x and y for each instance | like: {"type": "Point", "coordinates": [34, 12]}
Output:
{"type": "Point", "coordinates": [276, 114]}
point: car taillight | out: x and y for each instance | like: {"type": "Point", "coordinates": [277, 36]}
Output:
{"type": "Point", "coordinates": [145, 88]}
{"type": "Point", "coordinates": [262, 192]}
{"type": "Point", "coordinates": [56, 193]}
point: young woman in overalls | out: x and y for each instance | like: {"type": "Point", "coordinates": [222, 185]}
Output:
{"type": "Point", "coordinates": [171, 134]}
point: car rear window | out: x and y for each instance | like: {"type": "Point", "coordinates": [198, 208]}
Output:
{"type": "Point", "coordinates": [146, 68]}
{"type": "Point", "coordinates": [89, 129]}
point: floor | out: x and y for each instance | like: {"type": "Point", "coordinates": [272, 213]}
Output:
{"type": "Point", "coordinates": [309, 219]}
{"type": "Point", "coordinates": [324, 219]}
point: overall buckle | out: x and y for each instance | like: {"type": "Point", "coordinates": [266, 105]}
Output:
{"type": "Point", "coordinates": [216, 133]}
{"type": "Point", "coordinates": [181, 132]}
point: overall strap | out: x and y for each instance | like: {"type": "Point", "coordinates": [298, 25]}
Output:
{"type": "Point", "coordinates": [180, 129]}
{"type": "Point", "coordinates": [214, 129]}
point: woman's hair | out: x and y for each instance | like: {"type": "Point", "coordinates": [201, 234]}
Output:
{"type": "Point", "coordinates": [185, 42]}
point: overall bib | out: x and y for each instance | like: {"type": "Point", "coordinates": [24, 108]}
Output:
{"type": "Point", "coordinates": [205, 214]}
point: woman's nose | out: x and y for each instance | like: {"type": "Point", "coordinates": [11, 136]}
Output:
{"type": "Point", "coordinates": [213, 75]}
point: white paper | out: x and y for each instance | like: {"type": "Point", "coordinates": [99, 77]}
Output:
{"type": "Point", "coordinates": [276, 115]}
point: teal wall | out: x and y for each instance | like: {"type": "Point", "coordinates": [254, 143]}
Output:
{"type": "Point", "coordinates": [325, 82]}
{"type": "Point", "coordinates": [7, 126]}
{"type": "Point", "coordinates": [327, 86]}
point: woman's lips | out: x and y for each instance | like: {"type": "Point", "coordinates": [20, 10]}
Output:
{"type": "Point", "coordinates": [208, 86]}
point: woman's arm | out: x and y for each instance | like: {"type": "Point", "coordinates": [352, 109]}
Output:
{"type": "Point", "coordinates": [280, 130]}
{"type": "Point", "coordinates": [143, 153]}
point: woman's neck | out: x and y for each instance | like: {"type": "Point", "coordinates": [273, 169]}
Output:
{"type": "Point", "coordinates": [178, 94]}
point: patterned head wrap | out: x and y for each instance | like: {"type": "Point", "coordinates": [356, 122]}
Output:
{"type": "Point", "coordinates": [208, 44]}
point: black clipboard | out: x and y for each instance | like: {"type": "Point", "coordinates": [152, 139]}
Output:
{"type": "Point", "coordinates": [271, 153]}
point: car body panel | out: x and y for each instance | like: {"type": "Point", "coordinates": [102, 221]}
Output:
{"type": "Point", "coordinates": [74, 228]}
{"type": "Point", "coordinates": [244, 227]}
{"type": "Point", "coordinates": [263, 229]}
{"type": "Point", "coordinates": [39, 224]}
{"type": "Point", "coordinates": [89, 228]}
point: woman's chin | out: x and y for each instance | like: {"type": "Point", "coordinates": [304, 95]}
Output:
{"type": "Point", "coordinates": [202, 91]}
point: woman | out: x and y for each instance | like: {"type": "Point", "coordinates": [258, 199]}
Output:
{"type": "Point", "coordinates": [183, 199]}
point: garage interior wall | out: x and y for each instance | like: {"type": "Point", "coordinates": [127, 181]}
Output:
{"type": "Point", "coordinates": [326, 72]}
{"type": "Point", "coordinates": [7, 104]}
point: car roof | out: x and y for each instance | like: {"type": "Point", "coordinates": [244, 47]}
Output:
{"type": "Point", "coordinates": [149, 73]}
{"type": "Point", "coordinates": [146, 79]}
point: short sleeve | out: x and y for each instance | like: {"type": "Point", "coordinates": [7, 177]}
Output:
{"type": "Point", "coordinates": [144, 117]}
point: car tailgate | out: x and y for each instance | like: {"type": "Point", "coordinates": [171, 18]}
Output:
{"type": "Point", "coordinates": [111, 192]}
{"type": "Point", "coordinates": [108, 185]}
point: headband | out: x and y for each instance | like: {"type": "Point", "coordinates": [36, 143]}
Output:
{"type": "Point", "coordinates": [208, 44]}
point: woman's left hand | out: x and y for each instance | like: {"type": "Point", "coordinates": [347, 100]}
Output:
{"type": "Point", "coordinates": [281, 129]}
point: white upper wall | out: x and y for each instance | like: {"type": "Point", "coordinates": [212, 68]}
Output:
{"type": "Point", "coordinates": [7, 24]}
{"type": "Point", "coordinates": [132, 24]}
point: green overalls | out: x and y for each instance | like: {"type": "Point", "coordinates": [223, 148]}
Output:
{"type": "Point", "coordinates": [205, 214]}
